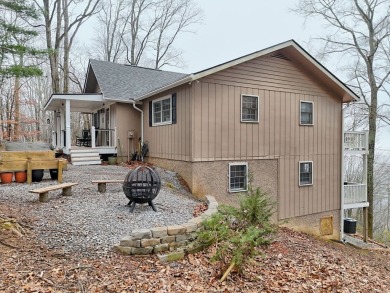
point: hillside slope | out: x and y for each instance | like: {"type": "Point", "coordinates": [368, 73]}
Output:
{"type": "Point", "coordinates": [295, 262]}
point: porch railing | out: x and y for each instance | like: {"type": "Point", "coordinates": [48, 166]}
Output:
{"type": "Point", "coordinates": [356, 140]}
{"type": "Point", "coordinates": [355, 193]}
{"type": "Point", "coordinates": [103, 137]}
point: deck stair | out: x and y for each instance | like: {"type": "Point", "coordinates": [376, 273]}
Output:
{"type": "Point", "coordinates": [85, 156]}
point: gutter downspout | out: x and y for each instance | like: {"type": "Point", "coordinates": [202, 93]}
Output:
{"type": "Point", "coordinates": [142, 123]}
{"type": "Point", "coordinates": [342, 178]}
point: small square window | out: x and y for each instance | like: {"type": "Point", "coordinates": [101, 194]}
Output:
{"type": "Point", "coordinates": [162, 111]}
{"type": "Point", "coordinates": [306, 111]}
{"type": "Point", "coordinates": [238, 177]}
{"type": "Point", "coordinates": [305, 173]}
{"type": "Point", "coordinates": [249, 108]}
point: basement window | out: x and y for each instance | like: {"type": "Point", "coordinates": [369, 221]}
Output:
{"type": "Point", "coordinates": [305, 173]}
{"type": "Point", "coordinates": [238, 177]}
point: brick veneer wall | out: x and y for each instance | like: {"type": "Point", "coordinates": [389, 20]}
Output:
{"type": "Point", "coordinates": [160, 239]}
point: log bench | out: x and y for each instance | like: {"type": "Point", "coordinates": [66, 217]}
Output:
{"type": "Point", "coordinates": [102, 184]}
{"type": "Point", "coordinates": [44, 191]}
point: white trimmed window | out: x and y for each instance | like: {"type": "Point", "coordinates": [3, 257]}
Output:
{"type": "Point", "coordinates": [162, 111]}
{"type": "Point", "coordinates": [238, 177]}
{"type": "Point", "coordinates": [306, 113]}
{"type": "Point", "coordinates": [305, 173]}
{"type": "Point", "coordinates": [249, 108]}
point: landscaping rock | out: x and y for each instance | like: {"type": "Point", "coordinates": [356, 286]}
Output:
{"type": "Point", "coordinates": [150, 242]}
{"type": "Point", "coordinates": [160, 248]}
{"type": "Point", "coordinates": [128, 241]}
{"type": "Point", "coordinates": [122, 249]}
{"type": "Point", "coordinates": [141, 250]}
{"type": "Point", "coordinates": [197, 220]}
{"type": "Point", "coordinates": [139, 234]}
{"type": "Point", "coordinates": [177, 229]}
{"type": "Point", "coordinates": [190, 227]}
{"type": "Point", "coordinates": [159, 232]}
{"type": "Point", "coordinates": [168, 239]}
{"type": "Point", "coordinates": [170, 257]}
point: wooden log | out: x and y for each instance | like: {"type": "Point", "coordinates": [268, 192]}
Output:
{"type": "Point", "coordinates": [102, 187]}
{"type": "Point", "coordinates": [44, 197]}
{"type": "Point", "coordinates": [67, 191]}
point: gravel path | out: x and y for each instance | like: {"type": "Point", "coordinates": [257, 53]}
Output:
{"type": "Point", "coordinates": [89, 222]}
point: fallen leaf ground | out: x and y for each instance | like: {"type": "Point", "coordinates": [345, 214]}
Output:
{"type": "Point", "coordinates": [294, 262]}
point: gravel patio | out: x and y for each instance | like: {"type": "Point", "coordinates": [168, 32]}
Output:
{"type": "Point", "coordinates": [89, 223]}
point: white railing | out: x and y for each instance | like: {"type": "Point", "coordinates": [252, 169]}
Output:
{"type": "Point", "coordinates": [355, 193]}
{"type": "Point", "coordinates": [356, 140]}
{"type": "Point", "coordinates": [103, 137]}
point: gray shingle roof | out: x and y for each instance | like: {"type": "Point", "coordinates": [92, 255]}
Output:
{"type": "Point", "coordinates": [124, 82]}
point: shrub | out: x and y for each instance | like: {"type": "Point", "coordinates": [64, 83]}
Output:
{"type": "Point", "coordinates": [236, 232]}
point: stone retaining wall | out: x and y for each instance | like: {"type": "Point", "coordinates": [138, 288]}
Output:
{"type": "Point", "coordinates": [160, 239]}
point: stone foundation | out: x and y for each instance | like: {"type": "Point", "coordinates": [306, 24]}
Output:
{"type": "Point", "coordinates": [160, 239]}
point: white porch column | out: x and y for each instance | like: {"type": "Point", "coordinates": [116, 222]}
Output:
{"type": "Point", "coordinates": [53, 139]}
{"type": "Point", "coordinates": [93, 136]}
{"type": "Point", "coordinates": [67, 124]}
{"type": "Point", "coordinates": [115, 138]}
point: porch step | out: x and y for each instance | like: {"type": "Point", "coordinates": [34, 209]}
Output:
{"type": "Point", "coordinates": [85, 157]}
{"type": "Point", "coordinates": [79, 163]}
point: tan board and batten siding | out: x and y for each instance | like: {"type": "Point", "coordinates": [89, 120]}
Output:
{"type": "Point", "coordinates": [218, 135]}
{"type": "Point", "coordinates": [171, 141]}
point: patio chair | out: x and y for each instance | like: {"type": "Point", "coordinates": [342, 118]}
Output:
{"type": "Point", "coordinates": [85, 140]}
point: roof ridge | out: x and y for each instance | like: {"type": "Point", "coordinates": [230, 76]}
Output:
{"type": "Point", "coordinates": [137, 66]}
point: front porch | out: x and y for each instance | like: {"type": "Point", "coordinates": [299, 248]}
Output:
{"type": "Point", "coordinates": [100, 138]}
{"type": "Point", "coordinates": [103, 141]}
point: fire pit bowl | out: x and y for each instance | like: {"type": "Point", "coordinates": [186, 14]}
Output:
{"type": "Point", "coordinates": [141, 185]}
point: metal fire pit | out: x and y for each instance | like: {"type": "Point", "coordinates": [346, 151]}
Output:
{"type": "Point", "coordinates": [141, 185]}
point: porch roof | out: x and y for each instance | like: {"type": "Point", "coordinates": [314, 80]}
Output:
{"type": "Point", "coordinates": [78, 102]}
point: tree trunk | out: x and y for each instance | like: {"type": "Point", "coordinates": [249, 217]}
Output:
{"type": "Point", "coordinates": [17, 109]}
{"type": "Point", "coordinates": [372, 117]}
{"type": "Point", "coordinates": [66, 47]}
{"type": "Point", "coordinates": [52, 52]}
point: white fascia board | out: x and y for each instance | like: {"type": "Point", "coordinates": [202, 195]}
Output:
{"type": "Point", "coordinates": [167, 87]}
{"type": "Point", "coordinates": [86, 76]}
{"type": "Point", "coordinates": [48, 103]}
{"type": "Point", "coordinates": [80, 97]}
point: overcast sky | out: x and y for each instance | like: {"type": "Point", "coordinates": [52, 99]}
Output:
{"type": "Point", "coordinates": [233, 28]}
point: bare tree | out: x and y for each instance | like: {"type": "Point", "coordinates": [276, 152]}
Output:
{"type": "Point", "coordinates": [176, 16]}
{"type": "Point", "coordinates": [146, 30]}
{"type": "Point", "coordinates": [64, 19]}
{"type": "Point", "coordinates": [112, 23]}
{"type": "Point", "coordinates": [359, 29]}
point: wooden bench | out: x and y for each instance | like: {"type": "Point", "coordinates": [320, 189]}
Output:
{"type": "Point", "coordinates": [44, 191]}
{"type": "Point", "coordinates": [11, 161]}
{"type": "Point", "coordinates": [102, 184]}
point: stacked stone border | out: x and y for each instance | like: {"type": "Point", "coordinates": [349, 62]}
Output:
{"type": "Point", "coordinates": [161, 239]}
